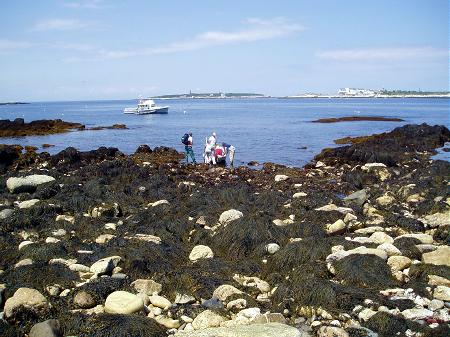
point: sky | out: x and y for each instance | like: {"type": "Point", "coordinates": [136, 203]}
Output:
{"type": "Point", "coordinates": [52, 50]}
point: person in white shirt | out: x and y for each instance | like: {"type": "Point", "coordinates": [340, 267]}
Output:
{"type": "Point", "coordinates": [209, 154]}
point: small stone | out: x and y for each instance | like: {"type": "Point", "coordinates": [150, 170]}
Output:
{"type": "Point", "coordinates": [436, 305]}
{"type": "Point", "coordinates": [299, 195]}
{"type": "Point", "coordinates": [239, 303]}
{"type": "Point", "coordinates": [184, 299]}
{"type": "Point", "coordinates": [84, 300]}
{"type": "Point", "coordinates": [168, 322]}
{"type": "Point", "coordinates": [148, 287]}
{"type": "Point", "coordinates": [186, 319]}
{"type": "Point", "coordinates": [417, 313]}
{"type": "Point", "coordinates": [224, 291]}
{"type": "Point", "coordinates": [158, 203]}
{"type": "Point", "coordinates": [207, 319]}
{"type": "Point", "coordinates": [200, 252]}
{"type": "Point", "coordinates": [51, 239]}
{"type": "Point", "coordinates": [160, 301]}
{"type": "Point", "coordinates": [24, 262]}
{"type": "Point", "coordinates": [110, 225]}
{"type": "Point", "coordinates": [358, 198]}
{"type": "Point", "coordinates": [331, 331]}
{"type": "Point", "coordinates": [442, 293]}
{"type": "Point", "coordinates": [54, 290]}
{"type": "Point", "coordinates": [28, 203]}
{"type": "Point", "coordinates": [336, 227]}
{"type": "Point", "coordinates": [281, 177]}
{"type": "Point", "coordinates": [68, 218]}
{"type": "Point", "coordinates": [380, 238]}
{"type": "Point", "coordinates": [436, 280]}
{"type": "Point", "coordinates": [59, 232]}
{"type": "Point", "coordinates": [104, 238]}
{"type": "Point", "coordinates": [423, 238]}
{"type": "Point", "coordinates": [272, 248]}
{"type": "Point", "coordinates": [79, 267]}
{"type": "Point", "coordinates": [385, 200]}
{"type": "Point", "coordinates": [398, 263]}
{"type": "Point", "coordinates": [25, 243]}
{"type": "Point", "coordinates": [365, 314]}
{"type": "Point", "coordinates": [105, 265]}
{"type": "Point", "coordinates": [6, 213]}
{"type": "Point", "coordinates": [390, 249]}
{"type": "Point", "coordinates": [230, 216]}
{"type": "Point", "coordinates": [123, 302]}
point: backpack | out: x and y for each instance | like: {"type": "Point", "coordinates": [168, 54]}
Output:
{"type": "Point", "coordinates": [184, 139]}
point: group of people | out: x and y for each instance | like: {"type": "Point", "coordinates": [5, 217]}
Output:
{"type": "Point", "coordinates": [214, 153]}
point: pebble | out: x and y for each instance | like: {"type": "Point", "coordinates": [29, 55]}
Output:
{"type": "Point", "coordinates": [230, 216]}
{"type": "Point", "coordinates": [200, 252]}
{"type": "Point", "coordinates": [160, 301]}
{"type": "Point", "coordinates": [84, 300]}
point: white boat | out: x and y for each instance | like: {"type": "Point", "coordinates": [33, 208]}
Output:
{"type": "Point", "coordinates": [146, 107]}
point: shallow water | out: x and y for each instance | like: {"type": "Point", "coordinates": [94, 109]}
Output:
{"type": "Point", "coordinates": [264, 130]}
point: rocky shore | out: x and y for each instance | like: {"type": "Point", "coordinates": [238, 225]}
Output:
{"type": "Point", "coordinates": [104, 244]}
{"type": "Point", "coordinates": [19, 128]}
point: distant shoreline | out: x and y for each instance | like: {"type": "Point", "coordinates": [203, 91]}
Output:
{"type": "Point", "coordinates": [12, 103]}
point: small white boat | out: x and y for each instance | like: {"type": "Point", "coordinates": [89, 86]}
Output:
{"type": "Point", "coordinates": [146, 107]}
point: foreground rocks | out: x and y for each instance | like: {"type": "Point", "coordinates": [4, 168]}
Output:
{"type": "Point", "coordinates": [141, 245]}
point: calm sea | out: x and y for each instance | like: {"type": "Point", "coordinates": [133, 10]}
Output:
{"type": "Point", "coordinates": [264, 130]}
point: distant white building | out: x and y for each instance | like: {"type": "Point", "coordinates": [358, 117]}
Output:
{"type": "Point", "coordinates": [352, 92]}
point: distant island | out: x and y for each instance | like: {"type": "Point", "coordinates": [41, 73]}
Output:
{"type": "Point", "coordinates": [211, 95]}
{"type": "Point", "coordinates": [371, 93]}
{"type": "Point", "coordinates": [12, 103]}
{"type": "Point", "coordinates": [358, 119]}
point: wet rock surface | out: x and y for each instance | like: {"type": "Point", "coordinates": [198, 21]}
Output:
{"type": "Point", "coordinates": [142, 245]}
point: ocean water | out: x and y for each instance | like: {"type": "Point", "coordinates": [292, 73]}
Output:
{"type": "Point", "coordinates": [263, 130]}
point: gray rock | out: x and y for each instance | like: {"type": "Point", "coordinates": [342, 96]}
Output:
{"type": "Point", "coordinates": [28, 203]}
{"type": "Point", "coordinates": [212, 303]}
{"type": "Point", "coordinates": [148, 287]}
{"type": "Point", "coordinates": [417, 313]}
{"type": "Point", "coordinates": [358, 198]}
{"type": "Point", "coordinates": [442, 293]}
{"type": "Point", "coordinates": [28, 183]}
{"type": "Point", "coordinates": [6, 213]}
{"type": "Point", "coordinates": [336, 227]}
{"type": "Point", "coordinates": [281, 177]}
{"type": "Point", "coordinates": [184, 299]}
{"type": "Point", "coordinates": [272, 248]}
{"type": "Point", "coordinates": [272, 317]}
{"type": "Point", "coordinates": [253, 330]}
{"type": "Point", "coordinates": [84, 300]}
{"type": "Point", "coordinates": [49, 328]}
{"type": "Point", "coordinates": [436, 305]}
{"type": "Point", "coordinates": [28, 298]}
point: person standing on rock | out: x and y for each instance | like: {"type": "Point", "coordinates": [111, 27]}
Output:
{"type": "Point", "coordinates": [189, 150]}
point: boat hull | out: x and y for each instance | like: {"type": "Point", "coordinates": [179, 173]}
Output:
{"type": "Point", "coordinates": [162, 110]}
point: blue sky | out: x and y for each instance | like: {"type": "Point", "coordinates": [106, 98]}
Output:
{"type": "Point", "coordinates": [94, 49]}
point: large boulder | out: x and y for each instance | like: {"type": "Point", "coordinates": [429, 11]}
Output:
{"type": "Point", "coordinates": [253, 330]}
{"type": "Point", "coordinates": [28, 183]}
{"type": "Point", "coordinates": [28, 299]}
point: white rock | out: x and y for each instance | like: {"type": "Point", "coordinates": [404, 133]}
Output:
{"type": "Point", "coordinates": [68, 218]}
{"type": "Point", "coordinates": [381, 237]}
{"type": "Point", "coordinates": [105, 265]}
{"type": "Point", "coordinates": [160, 301]}
{"type": "Point", "coordinates": [224, 291]}
{"type": "Point", "coordinates": [184, 298]}
{"type": "Point", "coordinates": [249, 313]}
{"type": "Point", "coordinates": [239, 303]}
{"type": "Point", "coordinates": [366, 313]}
{"type": "Point", "coordinates": [79, 268]}
{"type": "Point", "coordinates": [385, 200]}
{"type": "Point", "coordinates": [158, 203]}
{"type": "Point", "coordinates": [168, 322]}
{"type": "Point", "coordinates": [110, 225]}
{"type": "Point", "coordinates": [24, 244]}
{"type": "Point", "coordinates": [442, 293]}
{"type": "Point", "coordinates": [104, 238]}
{"type": "Point", "coordinates": [331, 331]}
{"type": "Point", "coordinates": [201, 252]}
{"type": "Point", "coordinates": [440, 256]}
{"type": "Point", "coordinates": [398, 263]}
{"type": "Point", "coordinates": [281, 177]}
{"type": "Point", "coordinates": [369, 230]}
{"type": "Point", "coordinates": [28, 183]}
{"type": "Point", "coordinates": [207, 319]}
{"type": "Point", "coordinates": [390, 249]}
{"type": "Point", "coordinates": [337, 226]}
{"type": "Point", "coordinates": [436, 305]}
{"type": "Point", "coordinates": [145, 238]}
{"type": "Point", "coordinates": [253, 282]}
{"type": "Point", "coordinates": [299, 195]}
{"type": "Point", "coordinates": [28, 203]}
{"type": "Point", "coordinates": [51, 239]}
{"type": "Point", "coordinates": [350, 217]}
{"type": "Point", "coordinates": [437, 219]}
{"type": "Point", "coordinates": [333, 207]}
{"type": "Point", "coordinates": [424, 238]}
{"type": "Point", "coordinates": [59, 232]}
{"type": "Point", "coordinates": [27, 298]}
{"type": "Point", "coordinates": [417, 313]}
{"type": "Point", "coordinates": [123, 302]}
{"type": "Point", "coordinates": [23, 263]}
{"type": "Point", "coordinates": [272, 248]}
{"type": "Point", "coordinates": [230, 216]}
